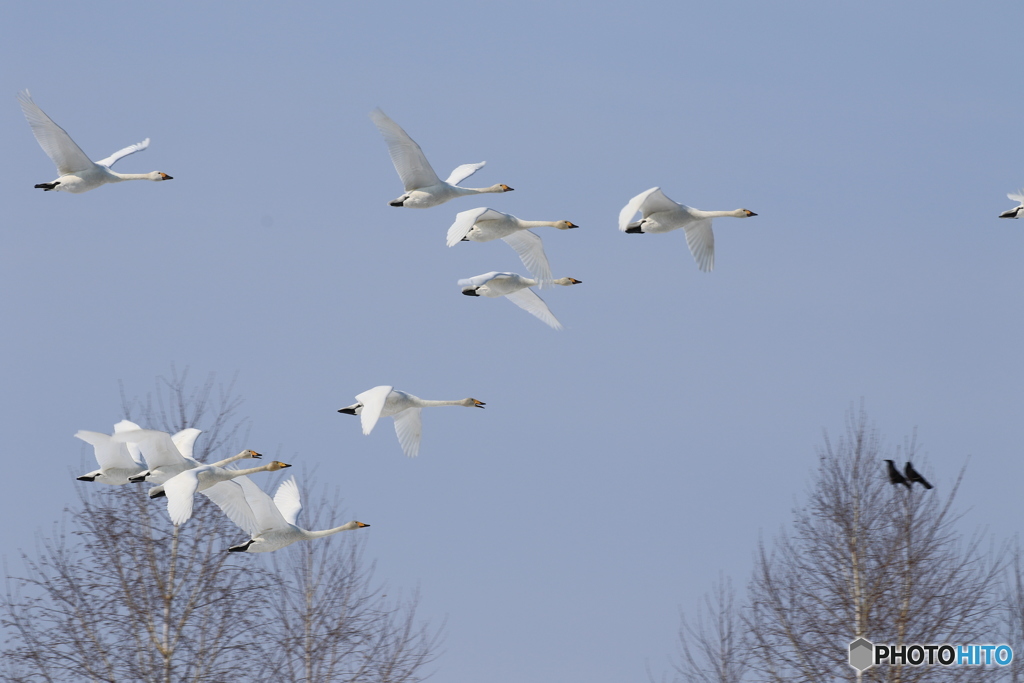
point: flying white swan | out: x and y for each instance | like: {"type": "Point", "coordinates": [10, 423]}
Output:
{"type": "Point", "coordinates": [423, 188]}
{"type": "Point", "coordinates": [516, 289]}
{"type": "Point", "coordinates": [181, 488]}
{"type": "Point", "coordinates": [1015, 211]}
{"type": "Point", "coordinates": [661, 214]}
{"type": "Point", "coordinates": [483, 225]}
{"type": "Point", "coordinates": [117, 460]}
{"type": "Point", "coordinates": [270, 523]}
{"type": "Point", "coordinates": [385, 401]}
{"type": "Point", "coordinates": [167, 456]}
{"type": "Point", "coordinates": [77, 172]}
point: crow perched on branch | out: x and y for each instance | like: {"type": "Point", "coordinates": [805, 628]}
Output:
{"type": "Point", "coordinates": [913, 475]}
{"type": "Point", "coordinates": [894, 475]}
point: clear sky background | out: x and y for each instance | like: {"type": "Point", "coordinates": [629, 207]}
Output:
{"type": "Point", "coordinates": [622, 464]}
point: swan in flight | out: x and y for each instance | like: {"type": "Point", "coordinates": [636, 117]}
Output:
{"type": "Point", "coordinates": [483, 225]}
{"type": "Point", "coordinates": [516, 289]}
{"type": "Point", "coordinates": [167, 456]}
{"type": "Point", "coordinates": [77, 172]}
{"type": "Point", "coordinates": [270, 522]}
{"type": "Point", "coordinates": [661, 214]}
{"type": "Point", "coordinates": [385, 401]}
{"type": "Point", "coordinates": [181, 488]}
{"type": "Point", "coordinates": [423, 189]}
{"type": "Point", "coordinates": [117, 460]}
{"type": "Point", "coordinates": [1015, 211]}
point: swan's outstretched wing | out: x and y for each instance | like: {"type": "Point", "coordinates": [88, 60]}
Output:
{"type": "Point", "coordinates": [373, 402]}
{"type": "Point", "coordinates": [268, 516]}
{"type": "Point", "coordinates": [409, 427]}
{"type": "Point", "coordinates": [702, 243]}
{"type": "Point", "coordinates": [121, 153]}
{"type": "Point", "coordinates": [230, 497]}
{"type": "Point", "coordinates": [462, 172]}
{"type": "Point", "coordinates": [409, 160]}
{"type": "Point", "coordinates": [133, 448]}
{"type": "Point", "coordinates": [157, 447]}
{"type": "Point", "coordinates": [110, 454]}
{"type": "Point", "coordinates": [480, 280]}
{"type": "Point", "coordinates": [528, 300]}
{"type": "Point", "coordinates": [54, 140]}
{"type": "Point", "coordinates": [464, 222]}
{"type": "Point", "coordinates": [288, 500]}
{"type": "Point", "coordinates": [185, 440]}
{"type": "Point", "coordinates": [181, 490]}
{"type": "Point", "coordinates": [647, 202]}
{"type": "Point", "coordinates": [531, 250]}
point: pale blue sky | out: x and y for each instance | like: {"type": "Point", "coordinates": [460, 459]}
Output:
{"type": "Point", "coordinates": [621, 464]}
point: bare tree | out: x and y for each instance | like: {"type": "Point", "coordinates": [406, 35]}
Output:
{"type": "Point", "coordinates": [713, 649]}
{"type": "Point", "coordinates": [1014, 613]}
{"type": "Point", "coordinates": [331, 622]}
{"type": "Point", "coordinates": [117, 593]}
{"type": "Point", "coordinates": [869, 559]}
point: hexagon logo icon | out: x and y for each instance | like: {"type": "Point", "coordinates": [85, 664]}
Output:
{"type": "Point", "coordinates": [861, 654]}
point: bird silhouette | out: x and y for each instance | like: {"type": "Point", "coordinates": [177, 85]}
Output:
{"type": "Point", "coordinates": [913, 475]}
{"type": "Point", "coordinates": [894, 475]}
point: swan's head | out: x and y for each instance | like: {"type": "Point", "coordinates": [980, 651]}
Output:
{"type": "Point", "coordinates": [746, 213]}
{"type": "Point", "coordinates": [473, 403]}
{"type": "Point", "coordinates": [159, 175]}
{"type": "Point", "coordinates": [277, 465]}
{"type": "Point", "coordinates": [505, 188]}
{"type": "Point", "coordinates": [356, 525]}
{"type": "Point", "coordinates": [567, 281]}
{"type": "Point", "coordinates": [565, 225]}
{"type": "Point", "coordinates": [253, 454]}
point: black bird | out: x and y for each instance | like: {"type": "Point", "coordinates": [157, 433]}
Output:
{"type": "Point", "coordinates": [894, 475]}
{"type": "Point", "coordinates": [913, 475]}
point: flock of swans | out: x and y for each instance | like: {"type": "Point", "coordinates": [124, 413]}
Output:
{"type": "Point", "coordinates": [132, 454]}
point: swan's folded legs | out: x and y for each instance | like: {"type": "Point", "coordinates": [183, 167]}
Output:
{"type": "Point", "coordinates": [46, 187]}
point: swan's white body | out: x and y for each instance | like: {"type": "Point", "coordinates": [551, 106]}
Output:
{"type": "Point", "coordinates": [181, 488]}
{"type": "Point", "coordinates": [423, 188]}
{"type": "Point", "coordinates": [661, 214]}
{"type": "Point", "coordinates": [117, 460]}
{"type": "Point", "coordinates": [1015, 212]}
{"type": "Point", "coordinates": [483, 225]}
{"type": "Point", "coordinates": [386, 401]}
{"type": "Point", "coordinates": [77, 172]}
{"type": "Point", "coordinates": [165, 455]}
{"type": "Point", "coordinates": [516, 289]}
{"type": "Point", "coordinates": [270, 523]}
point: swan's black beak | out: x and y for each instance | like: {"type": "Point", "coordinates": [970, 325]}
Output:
{"type": "Point", "coordinates": [480, 404]}
{"type": "Point", "coordinates": [750, 213]}
{"type": "Point", "coordinates": [506, 188]}
{"type": "Point", "coordinates": [361, 525]}
{"type": "Point", "coordinates": [164, 176]}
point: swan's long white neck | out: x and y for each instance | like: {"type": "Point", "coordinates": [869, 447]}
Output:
{"type": "Point", "coordinates": [426, 403]}
{"type": "Point", "coordinates": [252, 470]}
{"type": "Point", "coordinates": [737, 213]}
{"type": "Point", "coordinates": [228, 461]}
{"type": "Point", "coordinates": [477, 190]}
{"type": "Point", "coordinates": [537, 224]}
{"type": "Point", "coordinates": [327, 532]}
{"type": "Point", "coordinates": [118, 177]}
